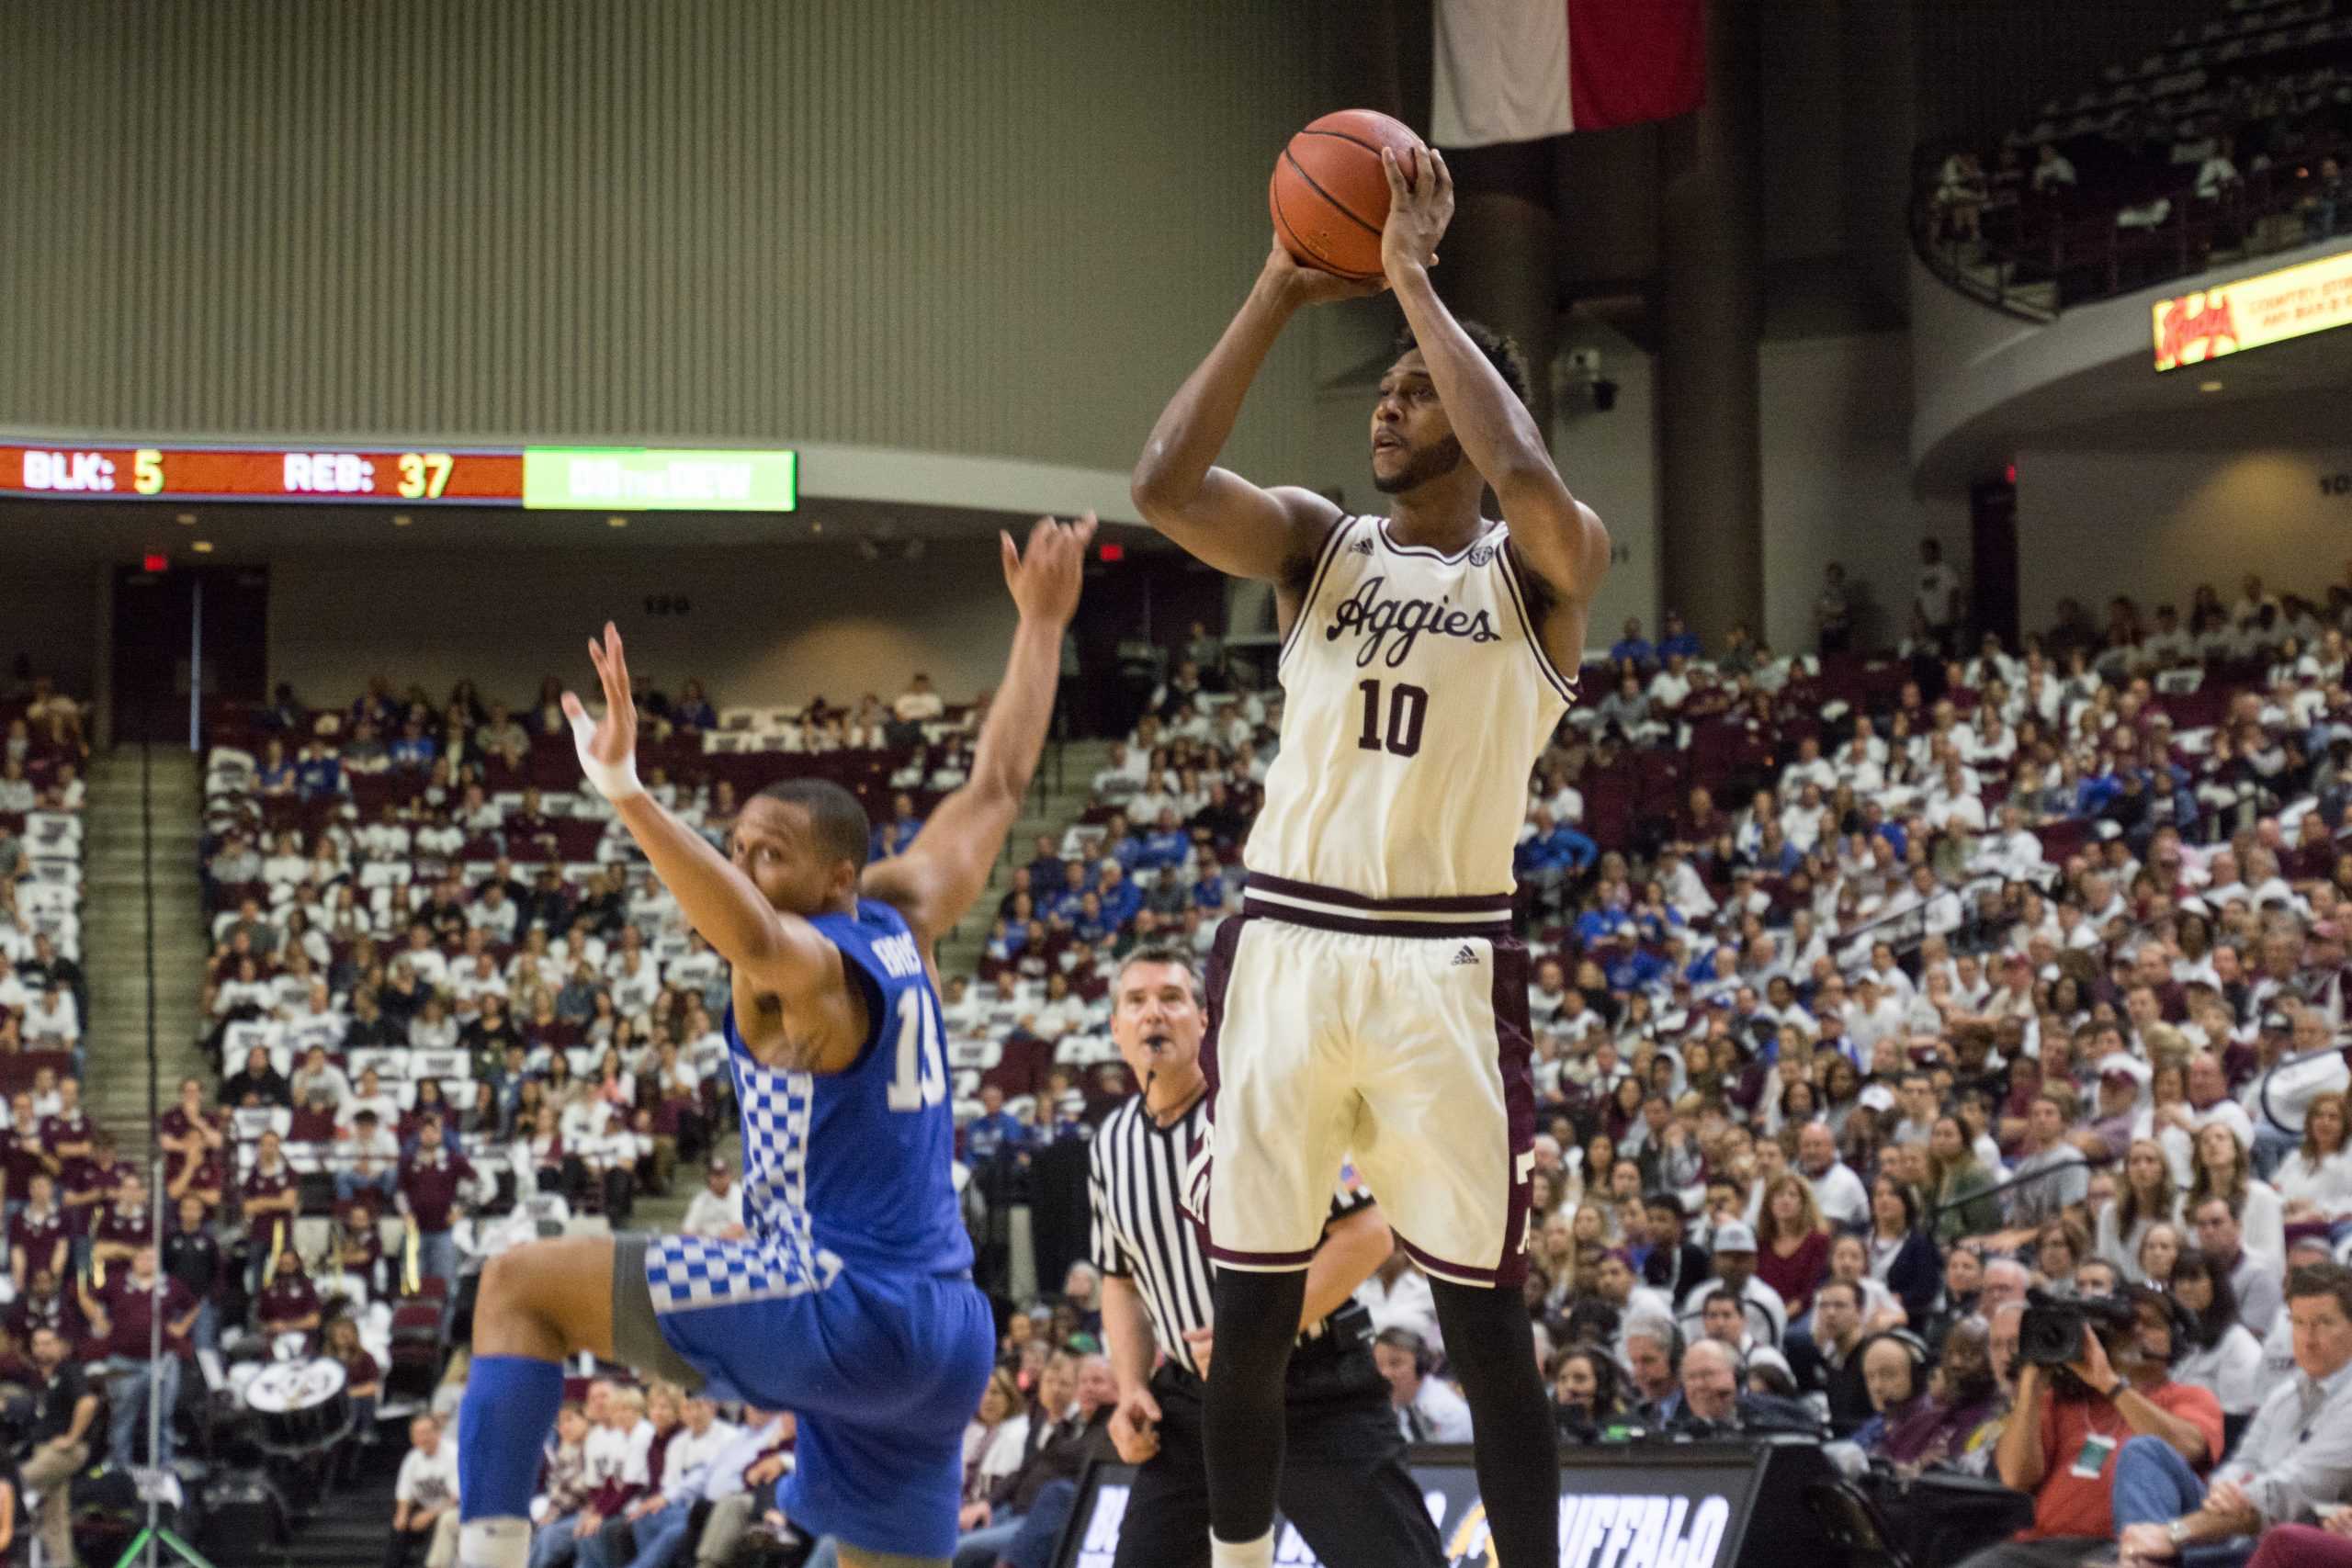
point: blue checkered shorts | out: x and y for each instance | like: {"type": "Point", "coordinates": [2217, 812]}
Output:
{"type": "Point", "coordinates": [882, 1372]}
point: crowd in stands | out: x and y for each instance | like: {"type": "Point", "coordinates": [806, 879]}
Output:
{"type": "Point", "coordinates": [2231, 137]}
{"type": "Point", "coordinates": [450, 1010]}
{"type": "Point", "coordinates": [1972, 987]}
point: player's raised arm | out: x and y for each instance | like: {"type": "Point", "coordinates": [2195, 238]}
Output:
{"type": "Point", "coordinates": [1216, 514]}
{"type": "Point", "coordinates": [1558, 538]}
{"type": "Point", "coordinates": [934, 882]}
{"type": "Point", "coordinates": [777, 953]}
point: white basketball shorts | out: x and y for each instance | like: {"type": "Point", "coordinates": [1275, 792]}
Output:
{"type": "Point", "coordinates": [1391, 1030]}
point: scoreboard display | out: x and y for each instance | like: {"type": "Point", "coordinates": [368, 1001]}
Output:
{"type": "Point", "coordinates": [622, 479]}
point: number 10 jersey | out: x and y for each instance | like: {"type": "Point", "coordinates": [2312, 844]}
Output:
{"type": "Point", "coordinates": [1417, 698]}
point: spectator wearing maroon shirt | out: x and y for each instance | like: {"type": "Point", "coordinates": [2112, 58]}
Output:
{"type": "Point", "coordinates": [188, 1131]}
{"type": "Point", "coordinates": [433, 1181]}
{"type": "Point", "coordinates": [46, 1303]}
{"type": "Point", "coordinates": [121, 1227]}
{"type": "Point", "coordinates": [358, 1247]}
{"type": "Point", "coordinates": [363, 1380]}
{"type": "Point", "coordinates": [122, 1314]}
{"type": "Point", "coordinates": [65, 1135]}
{"type": "Point", "coordinates": [39, 1237]}
{"type": "Point", "coordinates": [288, 1303]}
{"type": "Point", "coordinates": [270, 1195]}
{"type": "Point", "coordinates": [192, 1255]}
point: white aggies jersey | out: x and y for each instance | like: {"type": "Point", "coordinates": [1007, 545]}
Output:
{"type": "Point", "coordinates": [1416, 701]}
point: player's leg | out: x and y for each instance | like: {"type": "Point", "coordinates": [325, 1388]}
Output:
{"type": "Point", "coordinates": [1489, 1348]}
{"type": "Point", "coordinates": [1279, 1067]}
{"type": "Point", "coordinates": [1447, 1144]}
{"type": "Point", "coordinates": [536, 1304]}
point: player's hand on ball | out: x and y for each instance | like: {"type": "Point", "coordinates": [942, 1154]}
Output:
{"type": "Point", "coordinates": [1202, 1341]}
{"type": "Point", "coordinates": [1299, 284]}
{"type": "Point", "coordinates": [1135, 1426]}
{"type": "Point", "coordinates": [1045, 578]}
{"type": "Point", "coordinates": [1421, 205]}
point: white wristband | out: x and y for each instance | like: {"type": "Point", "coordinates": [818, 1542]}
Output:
{"type": "Point", "coordinates": [613, 781]}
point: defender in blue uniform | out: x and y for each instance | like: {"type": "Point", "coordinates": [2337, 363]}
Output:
{"type": "Point", "coordinates": [849, 1300]}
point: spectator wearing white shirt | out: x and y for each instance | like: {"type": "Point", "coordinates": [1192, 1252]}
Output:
{"type": "Point", "coordinates": [2315, 1180]}
{"type": "Point", "coordinates": [494, 914]}
{"type": "Point", "coordinates": [425, 1497]}
{"type": "Point", "coordinates": [919, 703]}
{"type": "Point", "coordinates": [52, 1022]}
{"type": "Point", "coordinates": [2052, 170]}
{"type": "Point", "coordinates": [1398, 1295]}
{"type": "Point", "coordinates": [718, 1209]}
{"type": "Point", "coordinates": [1937, 599]}
{"type": "Point", "coordinates": [1837, 1192]}
{"type": "Point", "coordinates": [2215, 176]}
{"type": "Point", "coordinates": [1428, 1410]}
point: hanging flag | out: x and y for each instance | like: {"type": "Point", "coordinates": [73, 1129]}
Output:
{"type": "Point", "coordinates": [1518, 69]}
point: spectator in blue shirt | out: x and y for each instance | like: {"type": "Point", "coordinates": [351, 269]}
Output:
{"type": "Point", "coordinates": [1063, 906]}
{"type": "Point", "coordinates": [893, 837]}
{"type": "Point", "coordinates": [1124, 844]}
{"type": "Point", "coordinates": [1552, 857]}
{"type": "Point", "coordinates": [1211, 891]}
{"type": "Point", "coordinates": [1119, 897]}
{"type": "Point", "coordinates": [1092, 922]}
{"type": "Point", "coordinates": [1595, 926]}
{"type": "Point", "coordinates": [1677, 639]}
{"type": "Point", "coordinates": [1044, 867]}
{"type": "Point", "coordinates": [1168, 845]}
{"type": "Point", "coordinates": [1628, 968]}
{"type": "Point", "coordinates": [413, 748]}
{"type": "Point", "coordinates": [995, 1131]}
{"type": "Point", "coordinates": [1631, 647]}
{"type": "Point", "coordinates": [319, 772]}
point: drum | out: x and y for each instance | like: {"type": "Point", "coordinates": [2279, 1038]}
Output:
{"type": "Point", "coordinates": [303, 1405]}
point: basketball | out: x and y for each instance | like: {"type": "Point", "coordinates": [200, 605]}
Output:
{"type": "Point", "coordinates": [1328, 195]}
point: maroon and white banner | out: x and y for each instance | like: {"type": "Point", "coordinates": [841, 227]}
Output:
{"type": "Point", "coordinates": [1517, 70]}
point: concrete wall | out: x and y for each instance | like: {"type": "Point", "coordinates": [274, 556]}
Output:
{"type": "Point", "coordinates": [1000, 227]}
{"type": "Point", "coordinates": [49, 622]}
{"type": "Point", "coordinates": [2155, 524]}
{"type": "Point", "coordinates": [760, 626]}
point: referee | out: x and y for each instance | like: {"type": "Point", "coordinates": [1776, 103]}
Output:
{"type": "Point", "coordinates": [1344, 1484]}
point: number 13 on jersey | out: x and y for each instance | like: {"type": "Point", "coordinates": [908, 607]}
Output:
{"type": "Point", "coordinates": [921, 1079]}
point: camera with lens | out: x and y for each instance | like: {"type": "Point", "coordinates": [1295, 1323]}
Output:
{"type": "Point", "coordinates": [2050, 1332]}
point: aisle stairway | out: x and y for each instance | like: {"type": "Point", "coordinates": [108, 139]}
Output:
{"type": "Point", "coordinates": [1057, 799]}
{"type": "Point", "coordinates": [114, 936]}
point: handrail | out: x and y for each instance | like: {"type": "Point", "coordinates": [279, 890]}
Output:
{"type": "Point", "coordinates": [2053, 245]}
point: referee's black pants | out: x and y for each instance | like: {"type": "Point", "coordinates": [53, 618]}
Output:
{"type": "Point", "coordinates": [1344, 1482]}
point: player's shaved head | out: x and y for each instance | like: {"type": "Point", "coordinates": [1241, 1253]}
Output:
{"type": "Point", "coordinates": [834, 814]}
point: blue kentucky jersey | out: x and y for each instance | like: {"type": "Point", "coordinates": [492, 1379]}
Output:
{"type": "Point", "coordinates": [853, 1168]}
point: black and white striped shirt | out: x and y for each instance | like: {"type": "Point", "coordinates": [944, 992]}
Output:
{"type": "Point", "coordinates": [1141, 1231]}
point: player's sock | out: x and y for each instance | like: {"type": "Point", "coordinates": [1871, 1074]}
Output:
{"type": "Point", "coordinates": [1258, 1553]}
{"type": "Point", "coordinates": [510, 1404]}
{"type": "Point", "coordinates": [1241, 1423]}
{"type": "Point", "coordinates": [1519, 1447]}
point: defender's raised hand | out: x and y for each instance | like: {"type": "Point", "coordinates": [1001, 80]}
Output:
{"type": "Point", "coordinates": [607, 746]}
{"type": "Point", "coordinates": [1045, 578]}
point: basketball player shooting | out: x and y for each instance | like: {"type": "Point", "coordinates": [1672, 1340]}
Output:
{"type": "Point", "coordinates": [1370, 995]}
{"type": "Point", "coordinates": [851, 1301]}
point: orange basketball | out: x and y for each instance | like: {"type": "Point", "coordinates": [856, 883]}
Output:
{"type": "Point", "coordinates": [1330, 195]}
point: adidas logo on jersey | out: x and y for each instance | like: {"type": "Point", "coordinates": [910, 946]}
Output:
{"type": "Point", "coordinates": [1361, 548]}
{"type": "Point", "coordinates": [1467, 955]}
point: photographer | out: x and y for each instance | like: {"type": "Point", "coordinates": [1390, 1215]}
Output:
{"type": "Point", "coordinates": [2297, 1453]}
{"type": "Point", "coordinates": [2070, 1420]}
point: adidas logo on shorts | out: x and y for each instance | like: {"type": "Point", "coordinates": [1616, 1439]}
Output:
{"type": "Point", "coordinates": [1467, 955]}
